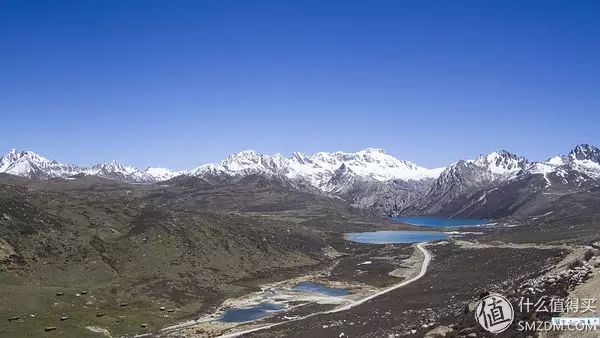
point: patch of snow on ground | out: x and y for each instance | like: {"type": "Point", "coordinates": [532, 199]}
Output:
{"type": "Point", "coordinates": [97, 329]}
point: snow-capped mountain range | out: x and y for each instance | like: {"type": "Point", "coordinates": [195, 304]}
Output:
{"type": "Point", "coordinates": [369, 178]}
{"type": "Point", "coordinates": [318, 169]}
{"type": "Point", "coordinates": [31, 165]}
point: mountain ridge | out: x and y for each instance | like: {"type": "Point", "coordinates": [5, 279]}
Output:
{"type": "Point", "coordinates": [369, 179]}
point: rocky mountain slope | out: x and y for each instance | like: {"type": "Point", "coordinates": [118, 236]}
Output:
{"type": "Point", "coordinates": [502, 184]}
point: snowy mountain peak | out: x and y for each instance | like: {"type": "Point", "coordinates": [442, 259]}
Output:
{"type": "Point", "coordinates": [31, 165]}
{"type": "Point", "coordinates": [501, 162]}
{"type": "Point", "coordinates": [497, 156]}
{"type": "Point", "coordinates": [585, 152]}
{"type": "Point", "coordinates": [556, 161]}
{"type": "Point", "coordinates": [15, 155]}
{"type": "Point", "coordinates": [114, 167]}
{"type": "Point", "coordinates": [583, 159]}
{"type": "Point", "coordinates": [299, 157]}
{"type": "Point", "coordinates": [162, 174]}
{"type": "Point", "coordinates": [244, 154]}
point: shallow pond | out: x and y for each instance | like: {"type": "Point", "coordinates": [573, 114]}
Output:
{"type": "Point", "coordinates": [320, 288]}
{"type": "Point", "coordinates": [245, 314]}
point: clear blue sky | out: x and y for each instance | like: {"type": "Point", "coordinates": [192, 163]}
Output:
{"type": "Point", "coordinates": [181, 83]}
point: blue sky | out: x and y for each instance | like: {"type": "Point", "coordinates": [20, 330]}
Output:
{"type": "Point", "coordinates": [181, 83]}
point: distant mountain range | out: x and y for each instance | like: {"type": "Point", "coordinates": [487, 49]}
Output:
{"type": "Point", "coordinates": [31, 165]}
{"type": "Point", "coordinates": [493, 185]}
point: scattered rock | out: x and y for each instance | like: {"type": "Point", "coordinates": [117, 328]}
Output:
{"type": "Point", "coordinates": [13, 318]}
{"type": "Point", "coordinates": [144, 325]}
{"type": "Point", "coordinates": [123, 304]}
{"type": "Point", "coordinates": [100, 314]}
{"type": "Point", "coordinates": [64, 318]}
{"type": "Point", "coordinates": [83, 292]}
{"type": "Point", "coordinates": [438, 331]}
{"type": "Point", "coordinates": [49, 328]}
{"type": "Point", "coordinates": [162, 308]}
{"type": "Point", "coordinates": [60, 293]}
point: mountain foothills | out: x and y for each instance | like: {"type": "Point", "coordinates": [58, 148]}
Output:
{"type": "Point", "coordinates": [493, 185]}
{"type": "Point", "coordinates": [112, 254]}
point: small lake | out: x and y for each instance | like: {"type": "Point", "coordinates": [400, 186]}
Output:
{"type": "Point", "coordinates": [320, 288]}
{"type": "Point", "coordinates": [440, 222]}
{"type": "Point", "coordinates": [393, 236]}
{"type": "Point", "coordinates": [245, 314]}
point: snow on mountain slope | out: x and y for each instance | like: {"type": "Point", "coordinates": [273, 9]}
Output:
{"type": "Point", "coordinates": [496, 166]}
{"type": "Point", "coordinates": [585, 152]}
{"type": "Point", "coordinates": [316, 170]}
{"type": "Point", "coordinates": [243, 163]}
{"type": "Point", "coordinates": [376, 164]}
{"type": "Point", "coordinates": [464, 178]}
{"type": "Point", "coordinates": [585, 158]}
{"type": "Point", "coordinates": [320, 168]}
{"type": "Point", "coordinates": [481, 186]}
{"type": "Point", "coordinates": [31, 165]}
{"type": "Point", "coordinates": [582, 163]}
{"type": "Point", "coordinates": [501, 163]}
{"type": "Point", "coordinates": [162, 174]}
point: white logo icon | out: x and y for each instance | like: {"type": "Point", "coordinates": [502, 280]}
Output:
{"type": "Point", "coordinates": [494, 313]}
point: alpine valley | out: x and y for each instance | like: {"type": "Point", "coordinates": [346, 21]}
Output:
{"type": "Point", "coordinates": [299, 246]}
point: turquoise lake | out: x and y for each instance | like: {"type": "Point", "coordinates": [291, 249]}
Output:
{"type": "Point", "coordinates": [392, 236]}
{"type": "Point", "coordinates": [440, 222]}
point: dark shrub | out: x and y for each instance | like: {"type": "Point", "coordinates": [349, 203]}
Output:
{"type": "Point", "coordinates": [575, 264]}
{"type": "Point", "coordinates": [589, 254]}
